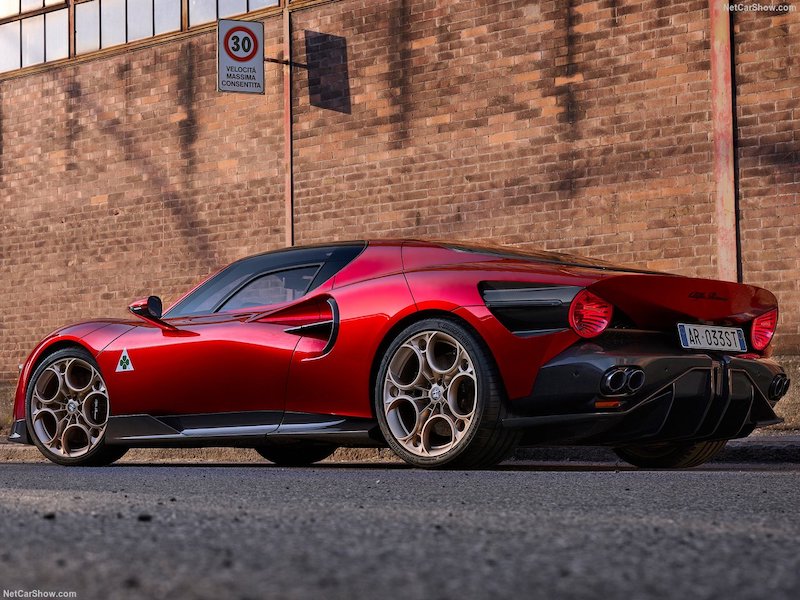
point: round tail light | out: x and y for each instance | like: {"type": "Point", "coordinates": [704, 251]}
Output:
{"type": "Point", "coordinates": [763, 329]}
{"type": "Point", "coordinates": [589, 315]}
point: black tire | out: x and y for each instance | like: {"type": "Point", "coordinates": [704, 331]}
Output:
{"type": "Point", "coordinates": [670, 456]}
{"type": "Point", "coordinates": [99, 454]}
{"type": "Point", "coordinates": [296, 455]}
{"type": "Point", "coordinates": [484, 442]}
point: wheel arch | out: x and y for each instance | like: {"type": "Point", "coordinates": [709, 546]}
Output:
{"type": "Point", "coordinates": [52, 349]}
{"type": "Point", "coordinates": [415, 317]}
{"type": "Point", "coordinates": [20, 403]}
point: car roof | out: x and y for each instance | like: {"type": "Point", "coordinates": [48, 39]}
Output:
{"type": "Point", "coordinates": [493, 250]}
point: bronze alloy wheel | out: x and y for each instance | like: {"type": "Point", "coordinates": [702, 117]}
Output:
{"type": "Point", "coordinates": [437, 399]}
{"type": "Point", "coordinates": [68, 409]}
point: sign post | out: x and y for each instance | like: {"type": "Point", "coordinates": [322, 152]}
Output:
{"type": "Point", "coordinates": [240, 56]}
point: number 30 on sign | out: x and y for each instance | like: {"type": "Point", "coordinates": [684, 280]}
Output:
{"type": "Point", "coordinates": [240, 56]}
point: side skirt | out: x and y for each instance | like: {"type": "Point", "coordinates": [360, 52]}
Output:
{"type": "Point", "coordinates": [241, 429]}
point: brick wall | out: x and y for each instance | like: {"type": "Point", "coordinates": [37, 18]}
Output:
{"type": "Point", "coordinates": [127, 176]}
{"type": "Point", "coordinates": [768, 112]}
{"type": "Point", "coordinates": [571, 126]}
{"type": "Point", "coordinates": [576, 126]}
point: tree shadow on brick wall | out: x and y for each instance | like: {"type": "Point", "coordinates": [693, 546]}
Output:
{"type": "Point", "coordinates": [178, 202]}
{"type": "Point", "coordinates": [328, 75]}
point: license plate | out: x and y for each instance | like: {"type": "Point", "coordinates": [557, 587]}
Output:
{"type": "Point", "coordinates": [706, 337]}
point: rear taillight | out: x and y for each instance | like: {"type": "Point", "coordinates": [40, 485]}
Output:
{"type": "Point", "coordinates": [763, 329]}
{"type": "Point", "coordinates": [589, 315]}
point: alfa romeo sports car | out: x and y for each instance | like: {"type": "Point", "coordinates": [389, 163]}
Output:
{"type": "Point", "coordinates": [451, 355]}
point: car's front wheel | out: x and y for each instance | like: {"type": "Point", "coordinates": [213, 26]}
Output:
{"type": "Point", "coordinates": [438, 398]}
{"type": "Point", "coordinates": [68, 409]}
{"type": "Point", "coordinates": [670, 456]}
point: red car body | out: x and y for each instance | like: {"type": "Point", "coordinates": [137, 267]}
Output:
{"type": "Point", "coordinates": [307, 367]}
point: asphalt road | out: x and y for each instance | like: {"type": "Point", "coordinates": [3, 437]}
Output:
{"type": "Point", "coordinates": [385, 531]}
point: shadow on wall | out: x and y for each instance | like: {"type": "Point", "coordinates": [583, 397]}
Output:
{"type": "Point", "coordinates": [328, 77]}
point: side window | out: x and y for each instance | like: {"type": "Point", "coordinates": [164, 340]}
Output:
{"type": "Point", "coordinates": [272, 288]}
{"type": "Point", "coordinates": [221, 291]}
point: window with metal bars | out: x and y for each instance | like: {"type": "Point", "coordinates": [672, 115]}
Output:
{"type": "Point", "coordinates": [38, 31]}
{"type": "Point", "coordinates": [32, 32]}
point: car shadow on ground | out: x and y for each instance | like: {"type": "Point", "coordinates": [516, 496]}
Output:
{"type": "Point", "coordinates": [505, 467]}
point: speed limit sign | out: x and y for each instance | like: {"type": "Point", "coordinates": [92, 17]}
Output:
{"type": "Point", "coordinates": [240, 56]}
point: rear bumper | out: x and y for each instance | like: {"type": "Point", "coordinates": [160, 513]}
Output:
{"type": "Point", "coordinates": [686, 397]}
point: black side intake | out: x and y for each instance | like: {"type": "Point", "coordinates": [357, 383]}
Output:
{"type": "Point", "coordinates": [526, 309]}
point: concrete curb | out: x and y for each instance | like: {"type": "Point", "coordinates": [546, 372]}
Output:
{"type": "Point", "coordinates": [765, 447]}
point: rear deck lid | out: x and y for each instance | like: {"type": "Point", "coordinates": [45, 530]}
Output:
{"type": "Point", "coordinates": [662, 301]}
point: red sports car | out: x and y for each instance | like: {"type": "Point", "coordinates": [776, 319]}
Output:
{"type": "Point", "coordinates": [452, 355]}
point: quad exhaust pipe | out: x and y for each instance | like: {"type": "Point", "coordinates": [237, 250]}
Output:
{"type": "Point", "coordinates": [625, 381]}
{"type": "Point", "coordinates": [622, 381]}
{"type": "Point", "coordinates": [779, 387]}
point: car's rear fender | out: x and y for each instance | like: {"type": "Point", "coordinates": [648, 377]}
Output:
{"type": "Point", "coordinates": [518, 357]}
{"type": "Point", "coordinates": [337, 381]}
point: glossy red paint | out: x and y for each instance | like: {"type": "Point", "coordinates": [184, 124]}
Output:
{"type": "Point", "coordinates": [380, 259]}
{"type": "Point", "coordinates": [92, 335]}
{"type": "Point", "coordinates": [216, 364]}
{"type": "Point", "coordinates": [518, 358]}
{"type": "Point", "coordinates": [339, 382]}
{"type": "Point", "coordinates": [653, 301]}
{"type": "Point", "coordinates": [255, 359]}
{"type": "Point", "coordinates": [454, 288]}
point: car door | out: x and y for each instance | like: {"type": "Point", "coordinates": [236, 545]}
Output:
{"type": "Point", "coordinates": [221, 361]}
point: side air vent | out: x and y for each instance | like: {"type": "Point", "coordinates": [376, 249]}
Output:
{"type": "Point", "coordinates": [326, 327]}
{"type": "Point", "coordinates": [527, 309]}
{"type": "Point", "coordinates": [315, 317]}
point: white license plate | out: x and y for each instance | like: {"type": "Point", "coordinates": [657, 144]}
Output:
{"type": "Point", "coordinates": [705, 337]}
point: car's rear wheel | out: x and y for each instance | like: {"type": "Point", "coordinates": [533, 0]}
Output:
{"type": "Point", "coordinates": [670, 456]}
{"type": "Point", "coordinates": [68, 410]}
{"type": "Point", "coordinates": [296, 455]}
{"type": "Point", "coordinates": [438, 399]}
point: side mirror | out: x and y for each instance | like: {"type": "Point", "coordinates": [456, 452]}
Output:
{"type": "Point", "coordinates": [149, 309]}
